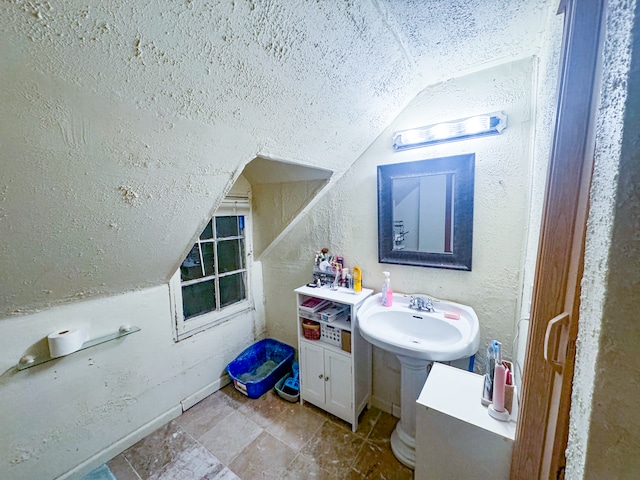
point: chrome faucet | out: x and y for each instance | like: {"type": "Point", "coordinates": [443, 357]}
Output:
{"type": "Point", "coordinates": [421, 304]}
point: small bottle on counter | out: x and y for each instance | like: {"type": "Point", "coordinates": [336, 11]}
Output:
{"type": "Point", "coordinates": [357, 279]}
{"type": "Point", "coordinates": [348, 281]}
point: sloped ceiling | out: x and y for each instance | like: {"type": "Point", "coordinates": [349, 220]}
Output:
{"type": "Point", "coordinates": [123, 123]}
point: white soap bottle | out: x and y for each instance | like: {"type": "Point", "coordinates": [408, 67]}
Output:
{"type": "Point", "coordinates": [387, 293]}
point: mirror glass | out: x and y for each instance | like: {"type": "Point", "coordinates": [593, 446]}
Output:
{"type": "Point", "coordinates": [422, 213]}
{"type": "Point", "coordinates": [425, 212]}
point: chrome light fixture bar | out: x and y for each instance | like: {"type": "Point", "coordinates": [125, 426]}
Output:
{"type": "Point", "coordinates": [477, 126]}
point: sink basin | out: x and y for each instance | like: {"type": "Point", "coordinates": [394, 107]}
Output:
{"type": "Point", "coordinates": [416, 338]}
{"type": "Point", "coordinates": [419, 334]}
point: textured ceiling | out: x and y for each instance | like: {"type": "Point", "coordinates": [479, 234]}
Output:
{"type": "Point", "coordinates": [124, 122]}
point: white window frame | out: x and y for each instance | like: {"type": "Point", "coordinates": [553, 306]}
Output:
{"type": "Point", "coordinates": [231, 205]}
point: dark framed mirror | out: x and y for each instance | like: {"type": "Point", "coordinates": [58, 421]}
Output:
{"type": "Point", "coordinates": [425, 212]}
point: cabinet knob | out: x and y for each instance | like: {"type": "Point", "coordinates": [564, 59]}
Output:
{"type": "Point", "coordinates": [320, 376]}
{"type": "Point", "coordinates": [326, 379]}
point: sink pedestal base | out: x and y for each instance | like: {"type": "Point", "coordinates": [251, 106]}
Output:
{"type": "Point", "coordinates": [403, 438]}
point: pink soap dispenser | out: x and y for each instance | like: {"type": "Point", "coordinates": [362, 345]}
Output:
{"type": "Point", "coordinates": [387, 293]}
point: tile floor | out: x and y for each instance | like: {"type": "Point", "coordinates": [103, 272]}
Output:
{"type": "Point", "coordinates": [229, 436]}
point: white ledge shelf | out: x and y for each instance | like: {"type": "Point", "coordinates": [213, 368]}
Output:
{"type": "Point", "coordinates": [28, 361]}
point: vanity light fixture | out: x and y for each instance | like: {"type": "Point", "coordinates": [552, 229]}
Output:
{"type": "Point", "coordinates": [477, 126]}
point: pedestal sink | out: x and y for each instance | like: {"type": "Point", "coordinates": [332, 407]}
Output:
{"type": "Point", "coordinates": [417, 338]}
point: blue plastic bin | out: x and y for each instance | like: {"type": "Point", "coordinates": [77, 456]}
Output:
{"type": "Point", "coordinates": [259, 367]}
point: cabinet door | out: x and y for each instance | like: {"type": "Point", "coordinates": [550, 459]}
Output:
{"type": "Point", "coordinates": [312, 373]}
{"type": "Point", "coordinates": [337, 372]}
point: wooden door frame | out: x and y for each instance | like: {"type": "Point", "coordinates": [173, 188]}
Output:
{"type": "Point", "coordinates": [543, 426]}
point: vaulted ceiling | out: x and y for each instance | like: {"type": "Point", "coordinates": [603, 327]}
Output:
{"type": "Point", "coordinates": [123, 123]}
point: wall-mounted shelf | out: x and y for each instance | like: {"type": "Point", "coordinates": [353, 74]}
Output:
{"type": "Point", "coordinates": [28, 361]}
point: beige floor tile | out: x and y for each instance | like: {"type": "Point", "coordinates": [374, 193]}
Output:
{"type": "Point", "coordinates": [296, 425]}
{"type": "Point", "coordinates": [154, 452]}
{"type": "Point", "coordinates": [368, 419]}
{"type": "Point", "coordinates": [334, 449]}
{"type": "Point", "coordinates": [231, 396]}
{"type": "Point", "coordinates": [230, 436]}
{"type": "Point", "coordinates": [322, 412]}
{"type": "Point", "coordinates": [238, 437]}
{"type": "Point", "coordinates": [121, 469]}
{"type": "Point", "coordinates": [194, 463]}
{"type": "Point", "coordinates": [329, 416]}
{"type": "Point", "coordinates": [265, 409]}
{"type": "Point", "coordinates": [266, 457]}
{"type": "Point", "coordinates": [205, 415]}
{"type": "Point", "coordinates": [303, 468]}
{"type": "Point", "coordinates": [381, 432]}
{"type": "Point", "coordinates": [226, 474]}
{"type": "Point", "coordinates": [353, 475]}
{"type": "Point", "coordinates": [366, 422]}
{"type": "Point", "coordinates": [377, 461]}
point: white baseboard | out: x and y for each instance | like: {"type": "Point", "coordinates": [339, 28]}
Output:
{"type": "Point", "coordinates": [134, 437]}
{"type": "Point", "coordinates": [204, 392]}
{"type": "Point", "coordinates": [385, 406]}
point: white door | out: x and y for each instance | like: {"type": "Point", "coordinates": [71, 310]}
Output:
{"type": "Point", "coordinates": [312, 373]}
{"type": "Point", "coordinates": [337, 371]}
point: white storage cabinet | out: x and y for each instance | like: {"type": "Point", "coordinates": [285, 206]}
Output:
{"type": "Point", "coordinates": [335, 370]}
{"type": "Point", "coordinates": [455, 436]}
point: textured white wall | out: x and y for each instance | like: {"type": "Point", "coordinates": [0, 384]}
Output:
{"type": "Point", "coordinates": [59, 414]}
{"type": "Point", "coordinates": [125, 122]}
{"type": "Point", "coordinates": [101, 400]}
{"type": "Point", "coordinates": [345, 220]}
{"type": "Point", "coordinates": [605, 420]}
{"type": "Point", "coordinates": [275, 205]}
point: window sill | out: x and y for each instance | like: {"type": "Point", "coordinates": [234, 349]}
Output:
{"type": "Point", "coordinates": [210, 320]}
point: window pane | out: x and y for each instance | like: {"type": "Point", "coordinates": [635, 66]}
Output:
{"type": "Point", "coordinates": [207, 233]}
{"type": "Point", "coordinates": [229, 227]}
{"type": "Point", "coordinates": [230, 255]}
{"type": "Point", "coordinates": [191, 267]}
{"type": "Point", "coordinates": [232, 289]}
{"type": "Point", "coordinates": [198, 299]}
{"type": "Point", "coordinates": [207, 257]}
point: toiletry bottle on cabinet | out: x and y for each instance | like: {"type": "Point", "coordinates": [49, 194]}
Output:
{"type": "Point", "coordinates": [357, 279]}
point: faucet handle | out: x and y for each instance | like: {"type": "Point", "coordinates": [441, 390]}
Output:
{"type": "Point", "coordinates": [416, 302]}
{"type": "Point", "coordinates": [422, 303]}
{"type": "Point", "coordinates": [428, 305]}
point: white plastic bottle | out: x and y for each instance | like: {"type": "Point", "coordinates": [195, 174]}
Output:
{"type": "Point", "coordinates": [387, 293]}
